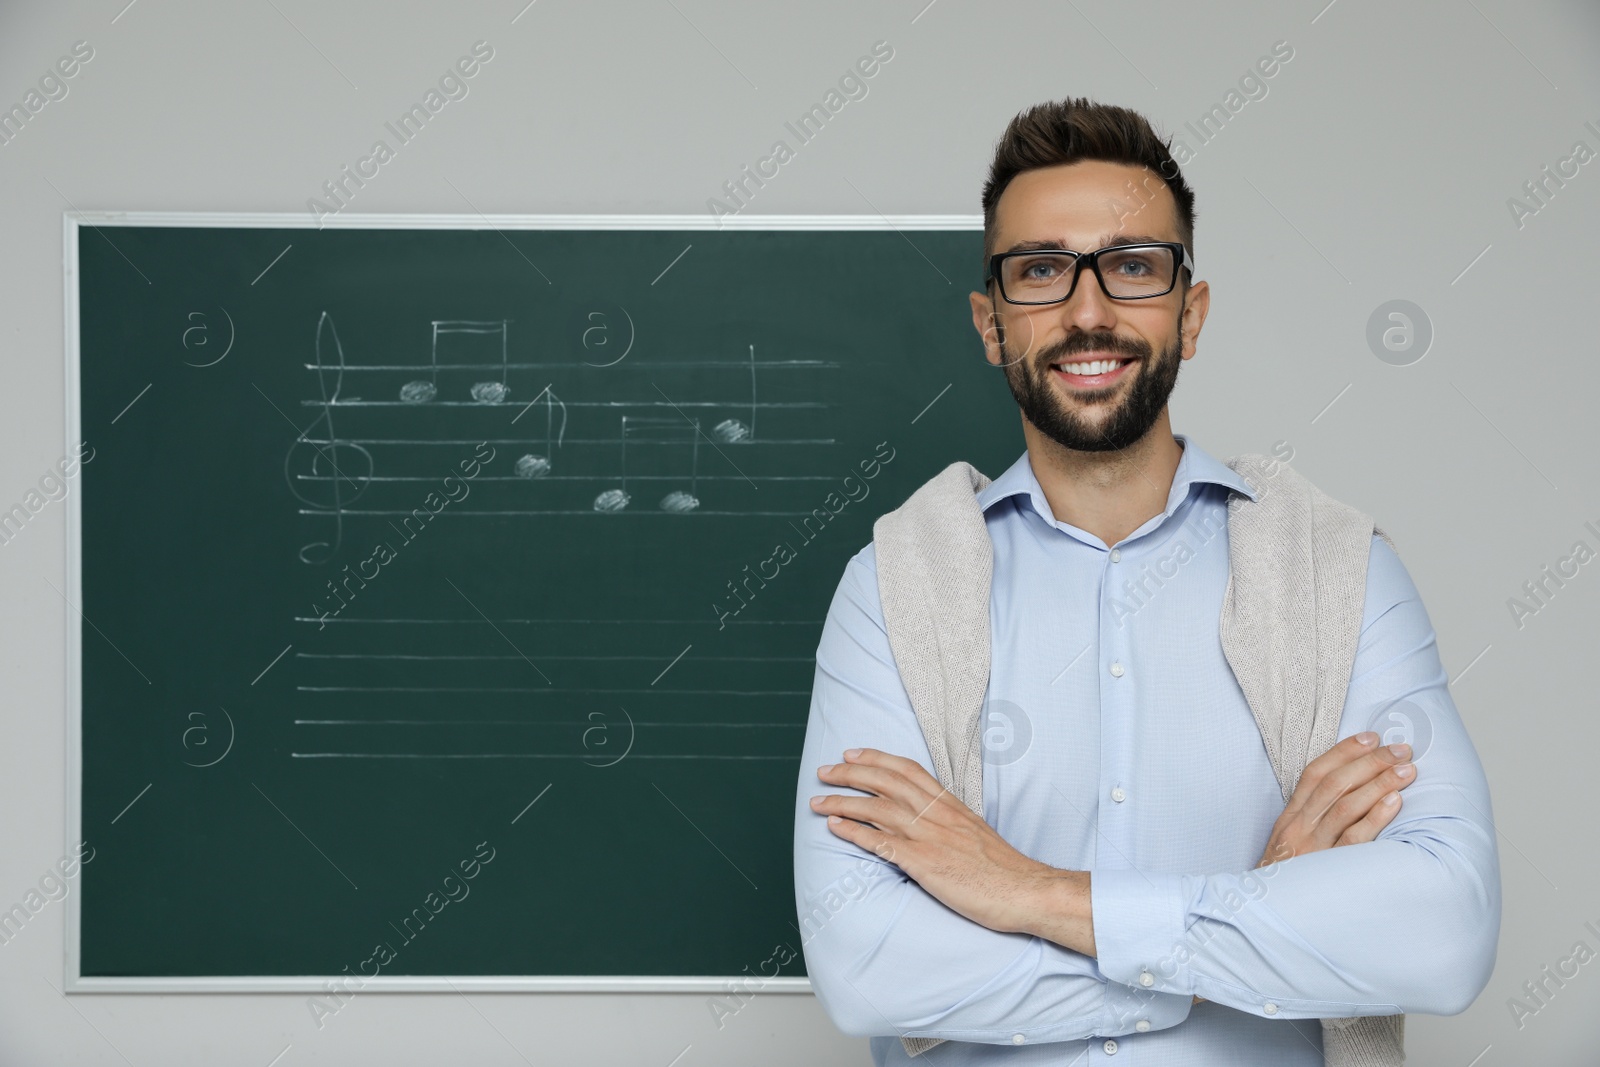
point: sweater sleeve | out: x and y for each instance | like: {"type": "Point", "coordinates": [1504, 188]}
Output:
{"type": "Point", "coordinates": [1406, 923]}
{"type": "Point", "coordinates": [884, 956]}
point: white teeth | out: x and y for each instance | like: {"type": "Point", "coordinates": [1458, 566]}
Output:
{"type": "Point", "coordinates": [1099, 366]}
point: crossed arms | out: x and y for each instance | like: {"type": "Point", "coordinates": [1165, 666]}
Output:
{"type": "Point", "coordinates": [918, 919]}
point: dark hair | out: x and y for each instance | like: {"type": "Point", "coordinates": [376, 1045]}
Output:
{"type": "Point", "coordinates": [1071, 130]}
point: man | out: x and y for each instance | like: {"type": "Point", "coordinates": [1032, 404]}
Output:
{"type": "Point", "coordinates": [1106, 903]}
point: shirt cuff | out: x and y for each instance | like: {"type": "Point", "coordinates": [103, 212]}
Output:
{"type": "Point", "coordinates": [1140, 921]}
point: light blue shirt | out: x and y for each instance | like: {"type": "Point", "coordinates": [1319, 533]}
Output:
{"type": "Point", "coordinates": [1119, 742]}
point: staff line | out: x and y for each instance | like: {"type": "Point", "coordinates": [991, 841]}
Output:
{"type": "Point", "coordinates": [746, 443]}
{"type": "Point", "coordinates": [546, 689]}
{"type": "Point", "coordinates": [525, 722]}
{"type": "Point", "coordinates": [579, 478]}
{"type": "Point", "coordinates": [541, 366]}
{"type": "Point", "coordinates": [539, 511]}
{"type": "Point", "coordinates": [571, 403]}
{"type": "Point", "coordinates": [518, 755]}
{"type": "Point", "coordinates": [442, 656]}
{"type": "Point", "coordinates": [592, 622]}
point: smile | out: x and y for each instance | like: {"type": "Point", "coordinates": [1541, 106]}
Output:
{"type": "Point", "coordinates": [1091, 373]}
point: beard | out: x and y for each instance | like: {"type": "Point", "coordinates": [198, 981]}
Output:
{"type": "Point", "coordinates": [1130, 418]}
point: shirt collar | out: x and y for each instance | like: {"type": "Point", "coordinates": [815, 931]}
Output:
{"type": "Point", "coordinates": [1196, 466]}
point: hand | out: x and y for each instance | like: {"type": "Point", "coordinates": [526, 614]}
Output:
{"type": "Point", "coordinates": [1339, 799]}
{"type": "Point", "coordinates": [1344, 797]}
{"type": "Point", "coordinates": [948, 849]}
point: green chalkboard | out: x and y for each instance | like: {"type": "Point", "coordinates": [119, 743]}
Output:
{"type": "Point", "coordinates": [456, 588]}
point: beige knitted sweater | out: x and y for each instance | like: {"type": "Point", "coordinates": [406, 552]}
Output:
{"type": "Point", "coordinates": [1291, 617]}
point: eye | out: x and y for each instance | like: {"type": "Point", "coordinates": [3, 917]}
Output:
{"type": "Point", "coordinates": [1039, 269]}
{"type": "Point", "coordinates": [1137, 265]}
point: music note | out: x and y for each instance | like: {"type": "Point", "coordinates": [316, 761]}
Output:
{"type": "Point", "coordinates": [677, 501]}
{"type": "Point", "coordinates": [325, 464]}
{"type": "Point", "coordinates": [459, 357]}
{"type": "Point", "coordinates": [732, 431]}
{"type": "Point", "coordinates": [537, 466]}
{"type": "Point", "coordinates": [617, 499]}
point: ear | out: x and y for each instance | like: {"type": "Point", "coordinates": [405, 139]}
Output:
{"type": "Point", "coordinates": [988, 325]}
{"type": "Point", "coordinates": [1197, 303]}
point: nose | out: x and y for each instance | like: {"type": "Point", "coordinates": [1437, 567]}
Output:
{"type": "Point", "coordinates": [1088, 308]}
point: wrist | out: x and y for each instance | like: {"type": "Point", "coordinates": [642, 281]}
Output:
{"type": "Point", "coordinates": [1059, 910]}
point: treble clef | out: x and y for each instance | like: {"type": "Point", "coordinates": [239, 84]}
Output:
{"type": "Point", "coordinates": [333, 461]}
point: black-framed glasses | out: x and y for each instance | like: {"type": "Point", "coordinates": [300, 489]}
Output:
{"type": "Point", "coordinates": [1125, 272]}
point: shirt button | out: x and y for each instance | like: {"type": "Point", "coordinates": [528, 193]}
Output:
{"type": "Point", "coordinates": [1118, 795]}
{"type": "Point", "coordinates": [1270, 1008]}
{"type": "Point", "coordinates": [1116, 555]}
{"type": "Point", "coordinates": [1116, 670]}
{"type": "Point", "coordinates": [1017, 1039]}
{"type": "Point", "coordinates": [1147, 979]}
{"type": "Point", "coordinates": [1142, 1025]}
{"type": "Point", "coordinates": [1111, 1047]}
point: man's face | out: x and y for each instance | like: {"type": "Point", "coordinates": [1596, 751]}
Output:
{"type": "Point", "coordinates": [1044, 348]}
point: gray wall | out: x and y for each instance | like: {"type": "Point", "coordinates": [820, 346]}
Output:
{"type": "Point", "coordinates": [1378, 166]}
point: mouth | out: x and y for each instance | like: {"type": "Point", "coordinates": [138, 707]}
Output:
{"type": "Point", "coordinates": [1092, 370]}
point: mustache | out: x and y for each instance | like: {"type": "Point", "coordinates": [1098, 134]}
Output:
{"type": "Point", "coordinates": [1094, 342]}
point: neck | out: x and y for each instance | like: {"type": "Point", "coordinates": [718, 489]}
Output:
{"type": "Point", "coordinates": [1108, 494]}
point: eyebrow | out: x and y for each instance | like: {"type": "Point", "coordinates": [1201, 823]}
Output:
{"type": "Point", "coordinates": [1107, 240]}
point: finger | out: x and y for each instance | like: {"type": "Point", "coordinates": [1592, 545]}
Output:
{"type": "Point", "coordinates": [1378, 761]}
{"type": "Point", "coordinates": [1355, 805]}
{"type": "Point", "coordinates": [907, 768]}
{"type": "Point", "coordinates": [1347, 751]}
{"type": "Point", "coordinates": [1277, 852]}
{"type": "Point", "coordinates": [877, 842]}
{"type": "Point", "coordinates": [1346, 778]}
{"type": "Point", "coordinates": [1368, 828]}
{"type": "Point", "coordinates": [874, 811]}
{"type": "Point", "coordinates": [879, 779]}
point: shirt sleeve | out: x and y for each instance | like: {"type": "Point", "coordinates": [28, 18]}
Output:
{"type": "Point", "coordinates": [884, 956]}
{"type": "Point", "coordinates": [1406, 923]}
